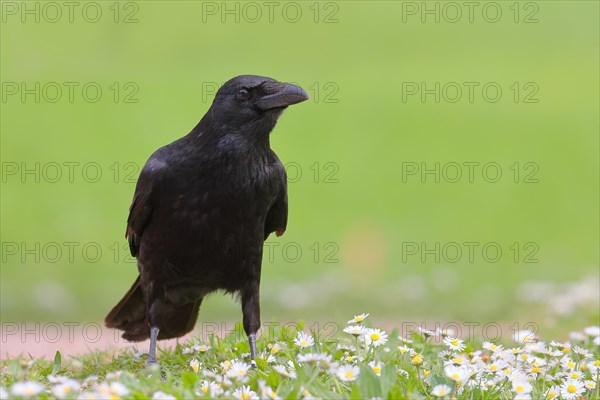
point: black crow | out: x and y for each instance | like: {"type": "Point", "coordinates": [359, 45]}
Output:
{"type": "Point", "coordinates": [202, 209]}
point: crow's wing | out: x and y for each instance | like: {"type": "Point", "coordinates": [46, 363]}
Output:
{"type": "Point", "coordinates": [277, 216]}
{"type": "Point", "coordinates": [141, 207]}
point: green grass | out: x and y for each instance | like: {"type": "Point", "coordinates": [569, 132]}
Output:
{"type": "Point", "coordinates": [342, 366]}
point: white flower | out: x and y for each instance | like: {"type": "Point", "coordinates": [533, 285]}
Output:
{"type": "Point", "coordinates": [376, 337]}
{"type": "Point", "coordinates": [492, 346]}
{"type": "Point", "coordinates": [355, 330]}
{"type": "Point", "coordinates": [552, 392]}
{"type": "Point", "coordinates": [521, 386]}
{"type": "Point", "coordinates": [376, 367]}
{"type": "Point", "coordinates": [457, 374]}
{"type": "Point", "coordinates": [115, 389]}
{"type": "Point", "coordinates": [244, 393]}
{"type": "Point", "coordinates": [66, 388]}
{"type": "Point", "coordinates": [238, 370]}
{"type": "Point", "coordinates": [348, 372]}
{"type": "Point", "coordinates": [571, 389]}
{"type": "Point", "coordinates": [304, 340]}
{"type": "Point", "coordinates": [266, 392]}
{"type": "Point", "coordinates": [321, 359]}
{"type": "Point", "coordinates": [454, 343]}
{"type": "Point", "coordinates": [26, 389]}
{"type": "Point", "coordinates": [589, 384]}
{"type": "Point", "coordinates": [358, 319]}
{"type": "Point", "coordinates": [592, 331]}
{"type": "Point", "coordinates": [202, 348]}
{"type": "Point", "coordinates": [288, 373]}
{"type": "Point", "coordinates": [425, 332]}
{"type": "Point", "coordinates": [441, 390]}
{"type": "Point", "coordinates": [525, 336]}
{"type": "Point", "coordinates": [577, 336]}
{"type": "Point", "coordinates": [210, 388]}
{"type": "Point", "coordinates": [163, 396]}
{"type": "Point", "coordinates": [195, 365]}
{"type": "Point", "coordinates": [275, 348]}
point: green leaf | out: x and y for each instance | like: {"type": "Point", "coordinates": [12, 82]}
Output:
{"type": "Point", "coordinates": [57, 363]}
{"type": "Point", "coordinates": [189, 379]}
{"type": "Point", "coordinates": [369, 383]}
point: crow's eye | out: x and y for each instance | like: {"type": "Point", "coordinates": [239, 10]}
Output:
{"type": "Point", "coordinates": [243, 94]}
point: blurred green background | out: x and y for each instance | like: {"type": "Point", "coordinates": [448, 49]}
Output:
{"type": "Point", "coordinates": [354, 212]}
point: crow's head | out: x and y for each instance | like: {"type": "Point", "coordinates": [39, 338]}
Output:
{"type": "Point", "coordinates": [253, 103]}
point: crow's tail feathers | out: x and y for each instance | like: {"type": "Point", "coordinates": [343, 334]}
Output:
{"type": "Point", "coordinates": [129, 315]}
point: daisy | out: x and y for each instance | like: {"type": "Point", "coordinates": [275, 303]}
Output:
{"type": "Point", "coordinates": [457, 374]}
{"type": "Point", "coordinates": [417, 359]}
{"type": "Point", "coordinates": [521, 386]}
{"type": "Point", "coordinates": [209, 388]}
{"type": "Point", "coordinates": [281, 369]}
{"type": "Point", "coordinates": [202, 348]}
{"type": "Point", "coordinates": [244, 393]}
{"type": "Point", "coordinates": [492, 346]}
{"type": "Point", "coordinates": [376, 367]}
{"type": "Point", "coordinates": [304, 340]}
{"type": "Point", "coordinates": [589, 384]}
{"type": "Point", "coordinates": [163, 396]}
{"type": "Point", "coordinates": [114, 391]}
{"type": "Point", "coordinates": [195, 365]}
{"type": "Point", "coordinates": [571, 389]}
{"type": "Point", "coordinates": [274, 348]}
{"type": "Point", "coordinates": [238, 370]}
{"type": "Point", "coordinates": [425, 332]}
{"type": "Point", "coordinates": [592, 331]}
{"type": "Point", "coordinates": [525, 336]}
{"type": "Point", "coordinates": [321, 359]}
{"type": "Point", "coordinates": [26, 389]}
{"type": "Point", "coordinates": [376, 337]}
{"type": "Point", "coordinates": [441, 390]}
{"type": "Point", "coordinates": [552, 392]}
{"type": "Point", "coordinates": [404, 340]}
{"type": "Point", "coordinates": [348, 372]}
{"type": "Point", "coordinates": [266, 392]}
{"type": "Point", "coordinates": [358, 319]}
{"type": "Point", "coordinates": [404, 349]}
{"type": "Point", "coordinates": [355, 330]}
{"type": "Point", "coordinates": [454, 343]}
{"type": "Point", "coordinates": [66, 388]}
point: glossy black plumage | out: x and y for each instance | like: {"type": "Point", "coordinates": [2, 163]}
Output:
{"type": "Point", "coordinates": [202, 208]}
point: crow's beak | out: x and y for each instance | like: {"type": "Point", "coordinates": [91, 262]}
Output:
{"type": "Point", "coordinates": [280, 94]}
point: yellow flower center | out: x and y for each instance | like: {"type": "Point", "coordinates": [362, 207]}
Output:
{"type": "Point", "coordinates": [245, 396]}
{"type": "Point", "coordinates": [454, 342]}
{"type": "Point", "coordinates": [358, 319]}
{"type": "Point", "coordinates": [376, 369]}
{"type": "Point", "coordinates": [493, 368]}
{"type": "Point", "coordinates": [426, 373]}
{"type": "Point", "coordinates": [551, 395]}
{"type": "Point", "coordinates": [597, 363]}
{"type": "Point", "coordinates": [375, 337]}
{"type": "Point", "coordinates": [349, 374]}
{"type": "Point", "coordinates": [455, 377]}
{"type": "Point", "coordinates": [304, 343]}
{"type": "Point", "coordinates": [536, 369]}
{"type": "Point", "coordinates": [571, 388]}
{"type": "Point", "coordinates": [205, 389]}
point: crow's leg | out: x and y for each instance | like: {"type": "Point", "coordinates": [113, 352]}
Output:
{"type": "Point", "coordinates": [155, 307]}
{"type": "Point", "coordinates": [251, 314]}
{"type": "Point", "coordinates": [152, 352]}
